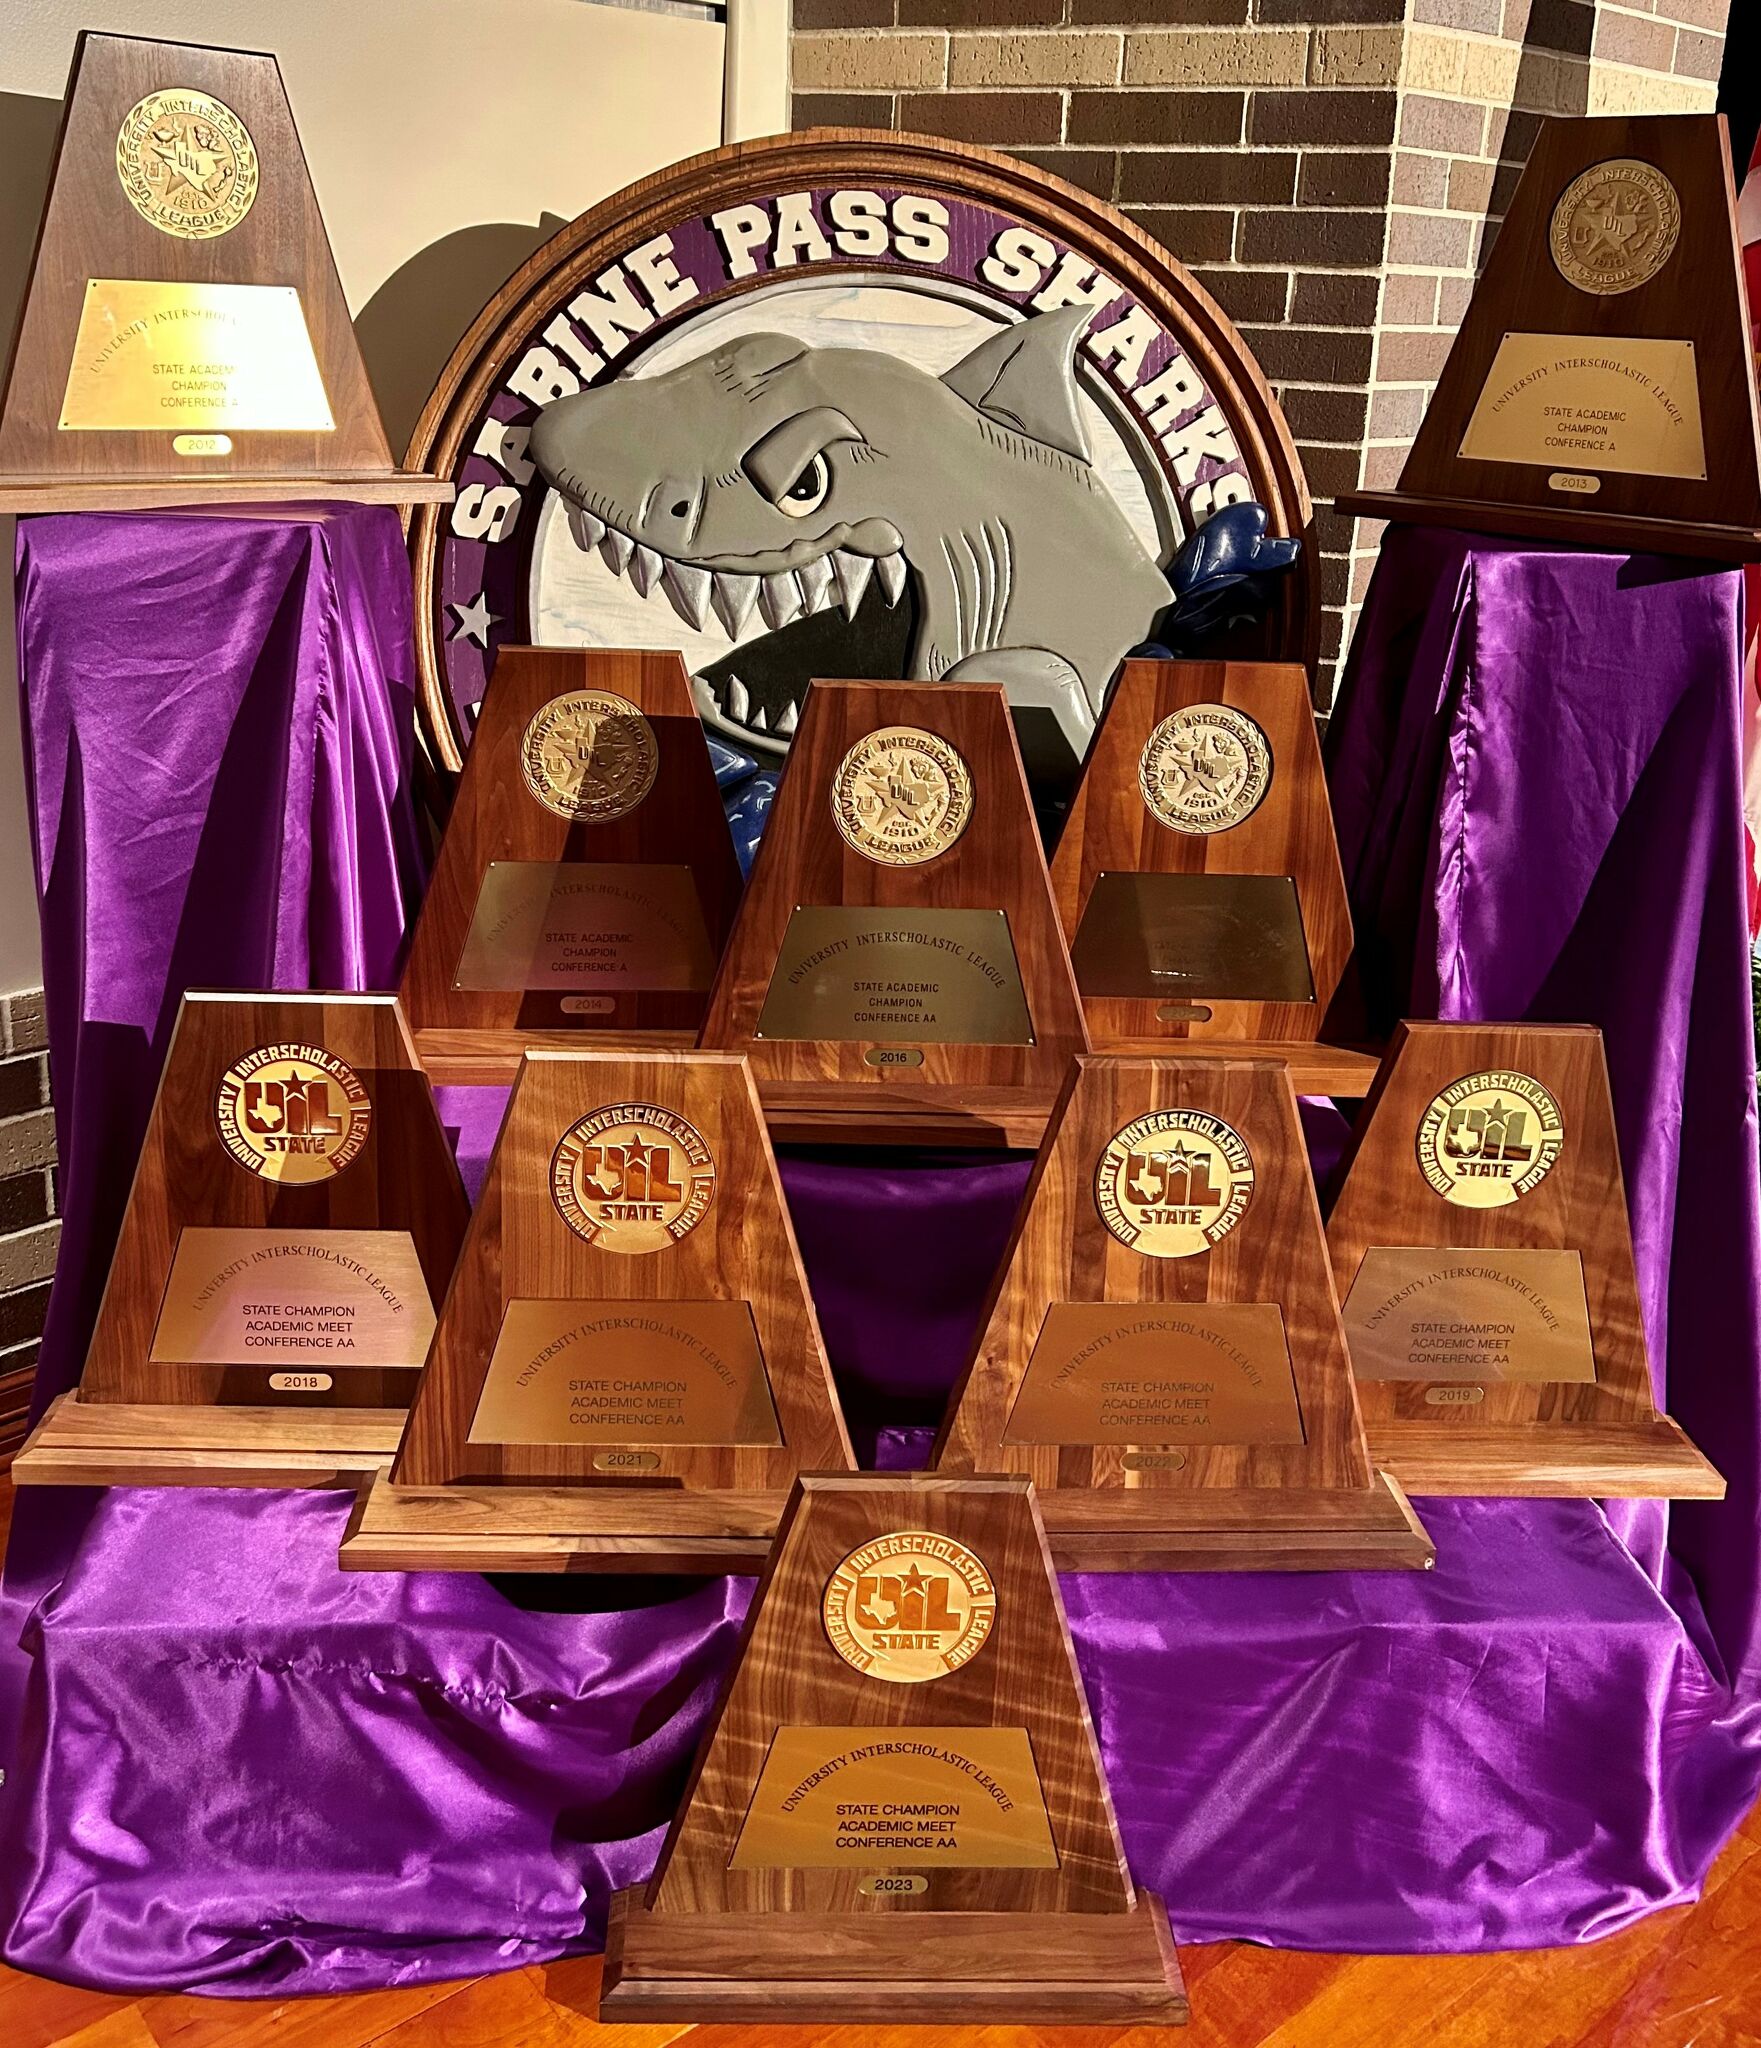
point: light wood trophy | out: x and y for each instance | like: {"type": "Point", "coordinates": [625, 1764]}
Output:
{"type": "Point", "coordinates": [1483, 1251]}
{"type": "Point", "coordinates": [896, 973]}
{"type": "Point", "coordinates": [899, 1812]}
{"type": "Point", "coordinates": [587, 879]}
{"type": "Point", "coordinates": [184, 339]}
{"type": "Point", "coordinates": [1162, 1352]}
{"type": "Point", "coordinates": [628, 1373]}
{"type": "Point", "coordinates": [293, 1220]}
{"type": "Point", "coordinates": [1198, 874]}
{"type": "Point", "coordinates": [1602, 386]}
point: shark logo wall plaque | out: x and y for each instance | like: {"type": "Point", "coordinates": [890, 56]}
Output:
{"type": "Point", "coordinates": [847, 405]}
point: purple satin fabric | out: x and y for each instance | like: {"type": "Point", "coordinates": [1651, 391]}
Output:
{"type": "Point", "coordinates": [242, 1770]}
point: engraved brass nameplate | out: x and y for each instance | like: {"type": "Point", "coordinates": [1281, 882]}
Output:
{"type": "Point", "coordinates": [1231, 938]}
{"type": "Point", "coordinates": [1160, 1372]}
{"type": "Point", "coordinates": [203, 358]}
{"type": "Point", "coordinates": [626, 1372]}
{"type": "Point", "coordinates": [941, 977]}
{"type": "Point", "coordinates": [294, 1298]}
{"type": "Point", "coordinates": [839, 1798]}
{"type": "Point", "coordinates": [1577, 402]}
{"type": "Point", "coordinates": [585, 924]}
{"type": "Point", "coordinates": [1469, 1315]}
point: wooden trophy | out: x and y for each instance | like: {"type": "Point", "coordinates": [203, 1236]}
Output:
{"type": "Point", "coordinates": [1198, 876]}
{"type": "Point", "coordinates": [184, 338]}
{"type": "Point", "coordinates": [294, 1218]}
{"type": "Point", "coordinates": [899, 1813]}
{"type": "Point", "coordinates": [1602, 386]}
{"type": "Point", "coordinates": [1161, 1351]}
{"type": "Point", "coordinates": [628, 1372]}
{"type": "Point", "coordinates": [1481, 1245]}
{"type": "Point", "coordinates": [896, 972]}
{"type": "Point", "coordinates": [587, 879]}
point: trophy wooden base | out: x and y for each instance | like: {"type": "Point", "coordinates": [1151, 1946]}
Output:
{"type": "Point", "coordinates": [120, 1443]}
{"type": "Point", "coordinates": [464, 1057]}
{"type": "Point", "coordinates": [26, 494]}
{"type": "Point", "coordinates": [942, 1969]}
{"type": "Point", "coordinates": [1641, 1460]}
{"type": "Point", "coordinates": [556, 1529]}
{"type": "Point", "coordinates": [1266, 1529]}
{"type": "Point", "coordinates": [1627, 531]}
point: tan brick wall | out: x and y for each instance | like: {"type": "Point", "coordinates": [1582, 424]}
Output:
{"type": "Point", "coordinates": [29, 1229]}
{"type": "Point", "coordinates": [1327, 167]}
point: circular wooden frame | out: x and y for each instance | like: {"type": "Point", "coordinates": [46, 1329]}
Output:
{"type": "Point", "coordinates": [847, 157]}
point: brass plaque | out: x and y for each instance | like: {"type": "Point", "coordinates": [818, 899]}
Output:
{"type": "Point", "coordinates": [1230, 938]}
{"type": "Point", "coordinates": [1576, 402]}
{"type": "Point", "coordinates": [843, 1798]}
{"type": "Point", "coordinates": [941, 977]}
{"type": "Point", "coordinates": [1174, 1372]}
{"type": "Point", "coordinates": [294, 1298]}
{"type": "Point", "coordinates": [203, 358]}
{"type": "Point", "coordinates": [1426, 1314]}
{"type": "Point", "coordinates": [585, 924]}
{"type": "Point", "coordinates": [626, 1372]}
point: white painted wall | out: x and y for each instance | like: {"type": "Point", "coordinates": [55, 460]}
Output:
{"type": "Point", "coordinates": [446, 139]}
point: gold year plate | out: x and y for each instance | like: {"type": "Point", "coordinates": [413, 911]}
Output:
{"type": "Point", "coordinates": [1158, 1373]}
{"type": "Point", "coordinates": [1469, 1315]}
{"type": "Point", "coordinates": [1183, 938]}
{"type": "Point", "coordinates": [934, 977]}
{"type": "Point", "coordinates": [1575, 402]}
{"type": "Point", "coordinates": [849, 1798]}
{"type": "Point", "coordinates": [626, 1372]}
{"type": "Point", "coordinates": [285, 1298]}
{"type": "Point", "coordinates": [203, 358]}
{"type": "Point", "coordinates": [605, 926]}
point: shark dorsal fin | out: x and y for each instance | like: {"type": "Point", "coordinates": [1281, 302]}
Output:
{"type": "Point", "coordinates": [1025, 378]}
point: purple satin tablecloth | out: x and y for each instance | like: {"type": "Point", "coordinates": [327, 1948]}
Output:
{"type": "Point", "coordinates": [239, 1769]}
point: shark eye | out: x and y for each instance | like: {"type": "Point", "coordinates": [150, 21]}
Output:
{"type": "Point", "coordinates": [807, 493]}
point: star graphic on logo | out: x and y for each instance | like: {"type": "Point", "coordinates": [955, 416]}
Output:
{"type": "Point", "coordinates": [475, 620]}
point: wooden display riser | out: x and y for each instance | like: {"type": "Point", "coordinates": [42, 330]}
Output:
{"type": "Point", "coordinates": [556, 1529]}
{"type": "Point", "coordinates": [119, 1443]}
{"type": "Point", "coordinates": [490, 1059]}
{"type": "Point", "coordinates": [1610, 1461]}
{"type": "Point", "coordinates": [894, 1966]}
{"type": "Point", "coordinates": [25, 495]}
{"type": "Point", "coordinates": [1164, 1529]}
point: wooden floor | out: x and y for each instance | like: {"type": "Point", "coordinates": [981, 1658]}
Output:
{"type": "Point", "coordinates": [1684, 1979]}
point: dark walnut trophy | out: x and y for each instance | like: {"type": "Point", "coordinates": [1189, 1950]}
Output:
{"type": "Point", "coordinates": [294, 1218]}
{"type": "Point", "coordinates": [1483, 1252]}
{"type": "Point", "coordinates": [899, 1812]}
{"type": "Point", "coordinates": [1198, 875]}
{"type": "Point", "coordinates": [1161, 1352]}
{"type": "Point", "coordinates": [184, 338]}
{"type": "Point", "coordinates": [1602, 386]}
{"type": "Point", "coordinates": [587, 879]}
{"type": "Point", "coordinates": [896, 972]}
{"type": "Point", "coordinates": [628, 1373]}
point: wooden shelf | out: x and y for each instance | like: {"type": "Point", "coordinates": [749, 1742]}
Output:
{"type": "Point", "coordinates": [120, 1443]}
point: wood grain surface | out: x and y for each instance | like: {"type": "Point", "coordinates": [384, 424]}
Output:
{"type": "Point", "coordinates": [1504, 1441]}
{"type": "Point", "coordinates": [495, 817]}
{"type": "Point", "coordinates": [1111, 830]}
{"type": "Point", "coordinates": [1697, 296]}
{"type": "Point", "coordinates": [90, 229]}
{"type": "Point", "coordinates": [1062, 1251]}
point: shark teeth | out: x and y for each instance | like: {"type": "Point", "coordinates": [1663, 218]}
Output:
{"type": "Point", "coordinates": [839, 577]}
{"type": "Point", "coordinates": [728, 703]}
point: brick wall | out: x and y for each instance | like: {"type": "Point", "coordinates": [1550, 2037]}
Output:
{"type": "Point", "coordinates": [1327, 167]}
{"type": "Point", "coordinates": [29, 1231]}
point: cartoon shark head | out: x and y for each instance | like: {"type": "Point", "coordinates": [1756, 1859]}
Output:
{"type": "Point", "coordinates": [792, 479]}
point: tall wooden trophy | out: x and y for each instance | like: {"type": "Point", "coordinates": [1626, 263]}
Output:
{"type": "Point", "coordinates": [1198, 876]}
{"type": "Point", "coordinates": [628, 1373]}
{"type": "Point", "coordinates": [294, 1218]}
{"type": "Point", "coordinates": [899, 1813]}
{"type": "Point", "coordinates": [1162, 1352]}
{"type": "Point", "coordinates": [587, 879]}
{"type": "Point", "coordinates": [1482, 1247]}
{"type": "Point", "coordinates": [896, 971]}
{"type": "Point", "coordinates": [184, 338]}
{"type": "Point", "coordinates": [1602, 386]}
